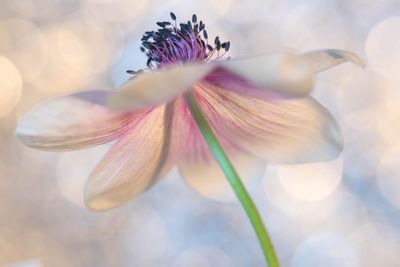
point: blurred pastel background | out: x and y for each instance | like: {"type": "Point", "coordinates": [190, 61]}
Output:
{"type": "Point", "coordinates": [343, 213]}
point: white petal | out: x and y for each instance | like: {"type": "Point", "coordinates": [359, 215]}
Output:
{"type": "Point", "coordinates": [153, 88]}
{"type": "Point", "coordinates": [206, 177]}
{"type": "Point", "coordinates": [283, 72]}
{"type": "Point", "coordinates": [72, 122]}
{"type": "Point", "coordinates": [140, 157]}
{"type": "Point", "coordinates": [321, 60]}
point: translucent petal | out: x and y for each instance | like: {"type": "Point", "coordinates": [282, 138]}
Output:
{"type": "Point", "coordinates": [200, 170]}
{"type": "Point", "coordinates": [282, 72]}
{"type": "Point", "coordinates": [279, 130]}
{"type": "Point", "coordinates": [157, 87]}
{"type": "Point", "coordinates": [321, 60]}
{"type": "Point", "coordinates": [142, 155]}
{"type": "Point", "coordinates": [206, 177]}
{"type": "Point", "coordinates": [72, 122]}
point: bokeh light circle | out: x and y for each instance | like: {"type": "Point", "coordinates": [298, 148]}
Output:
{"type": "Point", "coordinates": [377, 244]}
{"type": "Point", "coordinates": [203, 257]}
{"type": "Point", "coordinates": [79, 50]}
{"type": "Point", "coordinates": [27, 263]}
{"type": "Point", "coordinates": [73, 169]}
{"type": "Point", "coordinates": [306, 27]}
{"type": "Point", "coordinates": [383, 48]}
{"type": "Point", "coordinates": [219, 7]}
{"type": "Point", "coordinates": [145, 238]}
{"type": "Point", "coordinates": [25, 44]}
{"type": "Point", "coordinates": [311, 181]}
{"type": "Point", "coordinates": [86, 45]}
{"type": "Point", "coordinates": [10, 86]}
{"type": "Point", "coordinates": [388, 175]}
{"type": "Point", "coordinates": [38, 9]}
{"type": "Point", "coordinates": [325, 249]}
{"type": "Point", "coordinates": [122, 12]}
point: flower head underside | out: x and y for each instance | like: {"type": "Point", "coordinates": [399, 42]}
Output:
{"type": "Point", "coordinates": [258, 106]}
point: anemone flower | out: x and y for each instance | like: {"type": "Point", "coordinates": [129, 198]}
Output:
{"type": "Point", "coordinates": [254, 107]}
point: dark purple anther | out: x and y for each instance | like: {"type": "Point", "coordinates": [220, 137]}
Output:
{"type": "Point", "coordinates": [175, 44]}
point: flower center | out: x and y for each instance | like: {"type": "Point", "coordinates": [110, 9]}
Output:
{"type": "Point", "coordinates": [186, 42]}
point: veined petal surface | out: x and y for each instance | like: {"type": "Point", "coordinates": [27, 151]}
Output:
{"type": "Point", "coordinates": [277, 129]}
{"type": "Point", "coordinates": [321, 60]}
{"type": "Point", "coordinates": [72, 122]}
{"type": "Point", "coordinates": [157, 87]}
{"type": "Point", "coordinates": [140, 157]}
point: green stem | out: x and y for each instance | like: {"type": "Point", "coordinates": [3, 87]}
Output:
{"type": "Point", "coordinates": [234, 180]}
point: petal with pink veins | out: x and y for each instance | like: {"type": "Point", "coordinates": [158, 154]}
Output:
{"type": "Point", "coordinates": [201, 172]}
{"type": "Point", "coordinates": [142, 155]}
{"type": "Point", "coordinates": [277, 129]}
{"type": "Point", "coordinates": [157, 87]}
{"type": "Point", "coordinates": [72, 122]}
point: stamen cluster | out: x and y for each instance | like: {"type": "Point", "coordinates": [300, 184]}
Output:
{"type": "Point", "coordinates": [186, 42]}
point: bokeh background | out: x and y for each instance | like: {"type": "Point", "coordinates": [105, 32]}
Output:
{"type": "Point", "coordinates": [343, 213]}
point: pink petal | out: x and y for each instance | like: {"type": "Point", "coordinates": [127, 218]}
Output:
{"type": "Point", "coordinates": [280, 130]}
{"type": "Point", "coordinates": [72, 122]}
{"type": "Point", "coordinates": [200, 170]}
{"type": "Point", "coordinates": [140, 157]}
{"type": "Point", "coordinates": [222, 78]}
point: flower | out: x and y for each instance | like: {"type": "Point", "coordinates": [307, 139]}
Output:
{"type": "Point", "coordinates": [258, 106]}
